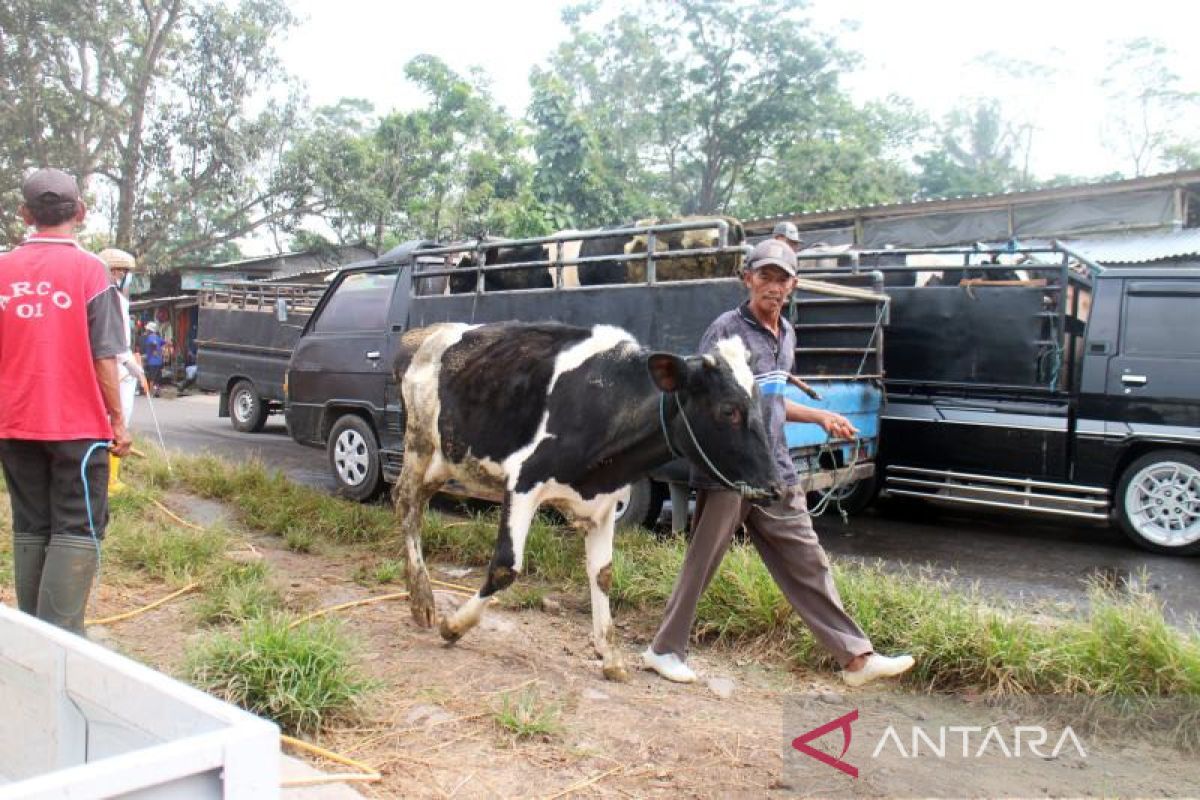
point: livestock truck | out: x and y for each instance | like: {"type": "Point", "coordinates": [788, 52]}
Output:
{"type": "Point", "coordinates": [341, 395]}
{"type": "Point", "coordinates": [1029, 378]}
{"type": "Point", "coordinates": [242, 349]}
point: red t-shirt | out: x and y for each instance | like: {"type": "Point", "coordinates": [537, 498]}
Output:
{"type": "Point", "coordinates": [54, 320]}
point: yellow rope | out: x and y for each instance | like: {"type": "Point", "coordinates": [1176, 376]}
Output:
{"type": "Point", "coordinates": [143, 609]}
{"type": "Point", "coordinates": [365, 773]}
{"type": "Point", "coordinates": [175, 516]}
{"type": "Point", "coordinates": [322, 612]}
{"type": "Point", "coordinates": [455, 586]}
{"type": "Point", "coordinates": [583, 784]}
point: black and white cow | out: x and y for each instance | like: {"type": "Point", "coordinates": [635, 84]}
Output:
{"type": "Point", "coordinates": [567, 417]}
{"type": "Point", "coordinates": [535, 277]}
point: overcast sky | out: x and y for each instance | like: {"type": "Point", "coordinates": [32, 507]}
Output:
{"type": "Point", "coordinates": [924, 49]}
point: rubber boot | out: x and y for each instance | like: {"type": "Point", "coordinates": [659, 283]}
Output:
{"type": "Point", "coordinates": [67, 576]}
{"type": "Point", "coordinates": [29, 554]}
{"type": "Point", "coordinates": [114, 476]}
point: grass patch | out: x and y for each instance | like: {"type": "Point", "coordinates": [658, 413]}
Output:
{"type": "Point", "coordinates": [523, 596]}
{"type": "Point", "coordinates": [1121, 646]}
{"type": "Point", "coordinates": [389, 570]}
{"type": "Point", "coordinates": [239, 593]}
{"type": "Point", "coordinates": [301, 678]}
{"type": "Point", "coordinates": [270, 502]}
{"type": "Point", "coordinates": [526, 715]}
{"type": "Point", "coordinates": [173, 554]}
{"type": "Point", "coordinates": [300, 540]}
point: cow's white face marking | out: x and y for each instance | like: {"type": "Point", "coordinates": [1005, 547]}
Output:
{"type": "Point", "coordinates": [733, 350]}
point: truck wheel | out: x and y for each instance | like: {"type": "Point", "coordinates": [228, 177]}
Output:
{"type": "Point", "coordinates": [247, 411]}
{"type": "Point", "coordinates": [643, 506]}
{"type": "Point", "coordinates": [1158, 502]}
{"type": "Point", "coordinates": [354, 459]}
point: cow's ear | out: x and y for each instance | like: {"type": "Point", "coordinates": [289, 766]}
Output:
{"type": "Point", "coordinates": [668, 371]}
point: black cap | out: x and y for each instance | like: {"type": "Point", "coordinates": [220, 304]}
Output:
{"type": "Point", "coordinates": [49, 186]}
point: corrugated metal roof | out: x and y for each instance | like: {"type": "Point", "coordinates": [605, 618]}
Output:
{"type": "Point", "coordinates": [1139, 248]}
{"type": "Point", "coordinates": [1131, 184]}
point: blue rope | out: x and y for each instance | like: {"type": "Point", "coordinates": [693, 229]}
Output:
{"type": "Point", "coordinates": [87, 497]}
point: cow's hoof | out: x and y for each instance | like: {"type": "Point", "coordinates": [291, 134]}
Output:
{"type": "Point", "coordinates": [616, 672]}
{"type": "Point", "coordinates": [449, 633]}
{"type": "Point", "coordinates": [424, 614]}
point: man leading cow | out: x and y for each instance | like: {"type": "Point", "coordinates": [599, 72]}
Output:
{"type": "Point", "coordinates": [782, 532]}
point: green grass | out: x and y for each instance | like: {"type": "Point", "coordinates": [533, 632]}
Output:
{"type": "Point", "coordinates": [301, 678]}
{"type": "Point", "coordinates": [389, 570]}
{"type": "Point", "coordinates": [168, 552]}
{"type": "Point", "coordinates": [300, 539]}
{"type": "Point", "coordinates": [238, 593]}
{"type": "Point", "coordinates": [1121, 645]}
{"type": "Point", "coordinates": [523, 596]}
{"type": "Point", "coordinates": [527, 716]}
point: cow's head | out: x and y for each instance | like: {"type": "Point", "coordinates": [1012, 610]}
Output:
{"type": "Point", "coordinates": [720, 404]}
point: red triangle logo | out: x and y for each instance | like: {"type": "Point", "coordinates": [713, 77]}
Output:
{"type": "Point", "coordinates": [801, 743]}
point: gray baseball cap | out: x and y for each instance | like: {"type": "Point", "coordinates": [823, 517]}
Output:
{"type": "Point", "coordinates": [774, 253]}
{"type": "Point", "coordinates": [48, 186]}
{"type": "Point", "coordinates": [788, 231]}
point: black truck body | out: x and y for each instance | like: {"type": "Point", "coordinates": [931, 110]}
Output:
{"type": "Point", "coordinates": [242, 349]}
{"type": "Point", "coordinates": [1047, 384]}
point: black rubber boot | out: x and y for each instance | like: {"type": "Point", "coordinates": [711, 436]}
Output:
{"type": "Point", "coordinates": [67, 576]}
{"type": "Point", "coordinates": [29, 554]}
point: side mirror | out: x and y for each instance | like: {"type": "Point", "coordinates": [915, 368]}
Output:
{"type": "Point", "coordinates": [281, 312]}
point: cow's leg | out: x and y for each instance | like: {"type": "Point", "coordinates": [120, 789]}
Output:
{"type": "Point", "coordinates": [599, 545]}
{"type": "Point", "coordinates": [516, 515]}
{"type": "Point", "coordinates": [410, 496]}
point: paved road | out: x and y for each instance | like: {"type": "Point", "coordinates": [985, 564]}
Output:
{"type": "Point", "coordinates": [1019, 557]}
{"type": "Point", "coordinates": [190, 424]}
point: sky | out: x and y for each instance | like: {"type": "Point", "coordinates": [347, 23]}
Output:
{"type": "Point", "coordinates": [927, 50]}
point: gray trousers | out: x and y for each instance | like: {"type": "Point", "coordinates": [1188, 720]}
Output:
{"type": "Point", "coordinates": [792, 554]}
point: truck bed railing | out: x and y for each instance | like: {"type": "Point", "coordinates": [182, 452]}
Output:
{"type": "Point", "coordinates": [559, 262]}
{"type": "Point", "coordinates": [301, 298]}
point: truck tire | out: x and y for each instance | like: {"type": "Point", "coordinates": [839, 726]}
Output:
{"type": "Point", "coordinates": [1158, 502]}
{"type": "Point", "coordinates": [643, 506]}
{"type": "Point", "coordinates": [354, 459]}
{"type": "Point", "coordinates": [247, 411]}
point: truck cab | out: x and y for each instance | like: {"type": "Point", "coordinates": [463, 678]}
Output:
{"type": "Point", "coordinates": [1052, 386]}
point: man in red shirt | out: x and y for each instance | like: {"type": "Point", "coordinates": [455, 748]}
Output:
{"type": "Point", "coordinates": [60, 405]}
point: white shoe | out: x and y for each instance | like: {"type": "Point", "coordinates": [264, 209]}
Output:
{"type": "Point", "coordinates": [877, 667]}
{"type": "Point", "coordinates": [670, 666]}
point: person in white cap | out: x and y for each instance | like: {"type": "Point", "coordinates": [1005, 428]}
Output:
{"type": "Point", "coordinates": [121, 267]}
{"type": "Point", "coordinates": [783, 532]}
{"type": "Point", "coordinates": [786, 232]}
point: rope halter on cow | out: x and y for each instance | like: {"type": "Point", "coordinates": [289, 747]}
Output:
{"type": "Point", "coordinates": [741, 487]}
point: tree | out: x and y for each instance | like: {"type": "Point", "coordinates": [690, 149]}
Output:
{"type": "Point", "coordinates": [148, 104]}
{"type": "Point", "coordinates": [1148, 106]}
{"type": "Point", "coordinates": [451, 168]}
{"type": "Point", "coordinates": [974, 155]}
{"type": "Point", "coordinates": [575, 182]}
{"type": "Point", "coordinates": [692, 96]}
{"type": "Point", "coordinates": [855, 159]}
